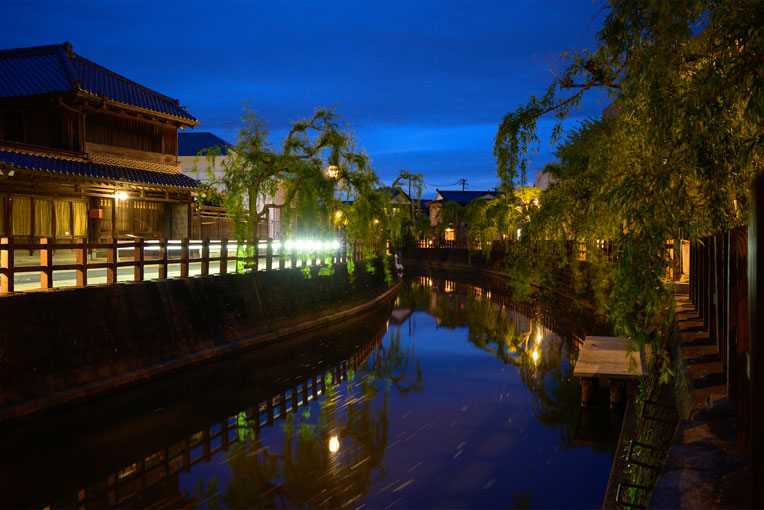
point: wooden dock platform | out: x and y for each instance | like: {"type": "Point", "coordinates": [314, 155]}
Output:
{"type": "Point", "coordinates": [607, 356]}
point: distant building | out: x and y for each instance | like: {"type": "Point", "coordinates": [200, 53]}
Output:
{"type": "Point", "coordinates": [192, 152]}
{"type": "Point", "coordinates": [87, 153]}
{"type": "Point", "coordinates": [542, 179]}
{"type": "Point", "coordinates": [459, 197]}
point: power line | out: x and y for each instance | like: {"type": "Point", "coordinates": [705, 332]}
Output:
{"type": "Point", "coordinates": [225, 124]}
{"type": "Point", "coordinates": [442, 185]}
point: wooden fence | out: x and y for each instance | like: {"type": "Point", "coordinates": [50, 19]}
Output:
{"type": "Point", "coordinates": [728, 293]}
{"type": "Point", "coordinates": [719, 291]}
{"type": "Point", "coordinates": [501, 248]}
{"type": "Point", "coordinates": [139, 253]}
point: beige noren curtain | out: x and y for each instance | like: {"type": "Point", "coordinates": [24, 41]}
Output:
{"type": "Point", "coordinates": [22, 216]}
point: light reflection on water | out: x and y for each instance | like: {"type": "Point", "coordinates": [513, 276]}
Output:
{"type": "Point", "coordinates": [464, 403]}
{"type": "Point", "coordinates": [463, 399]}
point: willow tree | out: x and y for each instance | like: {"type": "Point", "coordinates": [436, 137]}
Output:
{"type": "Point", "coordinates": [315, 164]}
{"type": "Point", "coordinates": [403, 220]}
{"type": "Point", "coordinates": [676, 159]}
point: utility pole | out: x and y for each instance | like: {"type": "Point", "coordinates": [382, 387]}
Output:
{"type": "Point", "coordinates": [227, 123]}
{"type": "Point", "coordinates": [463, 181]}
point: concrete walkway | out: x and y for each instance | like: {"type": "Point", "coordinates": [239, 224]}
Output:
{"type": "Point", "coordinates": [704, 469]}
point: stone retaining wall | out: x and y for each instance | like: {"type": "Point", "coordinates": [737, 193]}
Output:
{"type": "Point", "coordinates": [58, 340]}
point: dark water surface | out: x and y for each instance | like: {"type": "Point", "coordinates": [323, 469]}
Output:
{"type": "Point", "coordinates": [462, 398]}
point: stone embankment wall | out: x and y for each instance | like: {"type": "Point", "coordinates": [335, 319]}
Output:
{"type": "Point", "coordinates": [56, 346]}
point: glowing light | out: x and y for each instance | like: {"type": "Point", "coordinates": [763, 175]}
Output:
{"type": "Point", "coordinates": [332, 172]}
{"type": "Point", "coordinates": [334, 444]}
{"type": "Point", "coordinates": [338, 214]}
{"type": "Point", "coordinates": [376, 221]}
{"type": "Point", "coordinates": [535, 355]}
{"type": "Point", "coordinates": [122, 195]}
{"type": "Point", "coordinates": [311, 245]}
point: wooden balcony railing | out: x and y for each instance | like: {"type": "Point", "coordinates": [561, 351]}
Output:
{"type": "Point", "coordinates": [86, 263]}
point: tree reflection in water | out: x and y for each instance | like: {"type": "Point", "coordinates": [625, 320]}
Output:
{"type": "Point", "coordinates": [331, 452]}
{"type": "Point", "coordinates": [543, 358]}
{"type": "Point", "coordinates": [352, 417]}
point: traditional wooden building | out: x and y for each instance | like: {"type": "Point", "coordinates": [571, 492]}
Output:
{"type": "Point", "coordinates": [85, 152]}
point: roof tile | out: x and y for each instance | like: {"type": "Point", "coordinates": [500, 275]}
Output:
{"type": "Point", "coordinates": [48, 69]}
{"type": "Point", "coordinates": [72, 166]}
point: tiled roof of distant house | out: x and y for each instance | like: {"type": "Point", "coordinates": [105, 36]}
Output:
{"type": "Point", "coordinates": [84, 168]}
{"type": "Point", "coordinates": [56, 68]}
{"type": "Point", "coordinates": [189, 144]}
{"type": "Point", "coordinates": [462, 197]}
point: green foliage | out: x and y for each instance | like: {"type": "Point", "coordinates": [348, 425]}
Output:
{"type": "Point", "coordinates": [307, 175]}
{"type": "Point", "coordinates": [675, 161]}
{"type": "Point", "coordinates": [208, 195]}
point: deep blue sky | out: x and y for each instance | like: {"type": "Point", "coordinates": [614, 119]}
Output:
{"type": "Point", "coordinates": [423, 84]}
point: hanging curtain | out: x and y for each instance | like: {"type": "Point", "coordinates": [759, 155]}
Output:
{"type": "Point", "coordinates": [43, 217]}
{"type": "Point", "coordinates": [22, 216]}
{"type": "Point", "coordinates": [80, 217]}
{"type": "Point", "coordinates": [63, 218]}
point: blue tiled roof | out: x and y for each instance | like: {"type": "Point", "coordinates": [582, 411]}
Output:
{"type": "Point", "coordinates": [55, 68]}
{"type": "Point", "coordinates": [463, 197]}
{"type": "Point", "coordinates": [189, 144]}
{"type": "Point", "coordinates": [94, 170]}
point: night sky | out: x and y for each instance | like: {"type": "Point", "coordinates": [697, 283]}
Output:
{"type": "Point", "coordinates": [423, 84]}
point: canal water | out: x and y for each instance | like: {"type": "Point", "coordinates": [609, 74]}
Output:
{"type": "Point", "coordinates": [459, 397]}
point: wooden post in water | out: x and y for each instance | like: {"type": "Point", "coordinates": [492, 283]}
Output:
{"type": "Point", "coordinates": [269, 254]}
{"type": "Point", "coordinates": [206, 445]}
{"type": "Point", "coordinates": [81, 258]}
{"type": "Point", "coordinates": [282, 405]}
{"type": "Point", "coordinates": [46, 263]}
{"type": "Point", "coordinates": [282, 255]}
{"type": "Point", "coordinates": [186, 455]}
{"type": "Point", "coordinates": [6, 264]}
{"type": "Point", "coordinates": [224, 435]}
{"type": "Point", "coordinates": [269, 410]}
